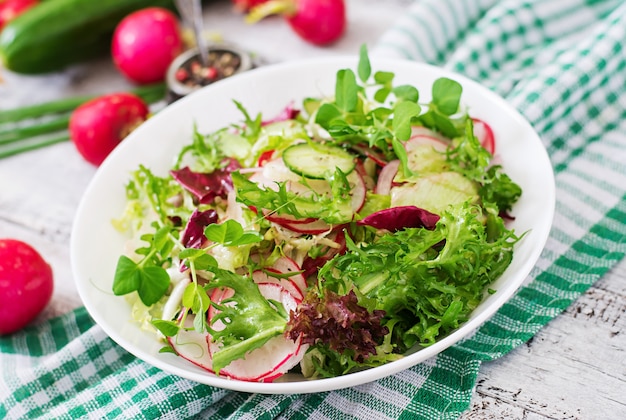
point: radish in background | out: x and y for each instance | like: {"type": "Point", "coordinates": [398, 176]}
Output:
{"type": "Point", "coordinates": [145, 43]}
{"type": "Point", "coordinates": [26, 284]}
{"type": "Point", "coordinates": [98, 126]}
{"type": "Point", "coordinates": [318, 22]}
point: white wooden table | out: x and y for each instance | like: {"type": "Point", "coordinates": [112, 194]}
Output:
{"type": "Point", "coordinates": [575, 368]}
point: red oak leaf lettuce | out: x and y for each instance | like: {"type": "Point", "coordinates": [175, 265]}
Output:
{"type": "Point", "coordinates": [339, 322]}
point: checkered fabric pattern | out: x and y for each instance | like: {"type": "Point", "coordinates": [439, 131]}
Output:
{"type": "Point", "coordinates": [562, 64]}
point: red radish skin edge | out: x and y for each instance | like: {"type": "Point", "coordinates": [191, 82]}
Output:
{"type": "Point", "coordinates": [189, 338]}
{"type": "Point", "coordinates": [313, 228]}
{"type": "Point", "coordinates": [485, 136]}
{"type": "Point", "coordinates": [386, 176]}
{"type": "Point", "coordinates": [265, 276]}
{"type": "Point", "coordinates": [98, 126]}
{"type": "Point", "coordinates": [145, 43]}
{"type": "Point", "coordinates": [285, 218]}
{"type": "Point", "coordinates": [26, 285]}
{"type": "Point", "coordinates": [265, 157]}
{"type": "Point", "coordinates": [287, 265]}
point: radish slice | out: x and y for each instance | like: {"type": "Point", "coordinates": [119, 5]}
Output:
{"type": "Point", "coordinates": [421, 140]}
{"type": "Point", "coordinates": [277, 171]}
{"type": "Point", "coordinates": [217, 295]}
{"type": "Point", "coordinates": [265, 157]}
{"type": "Point", "coordinates": [191, 345]}
{"type": "Point", "coordinates": [287, 265]}
{"type": "Point", "coordinates": [276, 356]}
{"type": "Point", "coordinates": [282, 219]}
{"type": "Point", "coordinates": [386, 176]}
{"type": "Point", "coordinates": [265, 276]}
{"type": "Point", "coordinates": [262, 181]}
{"type": "Point", "coordinates": [426, 154]}
{"type": "Point", "coordinates": [427, 132]}
{"type": "Point", "coordinates": [312, 228]}
{"type": "Point", "coordinates": [358, 190]}
{"type": "Point", "coordinates": [484, 134]}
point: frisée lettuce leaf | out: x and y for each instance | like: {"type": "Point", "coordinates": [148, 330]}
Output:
{"type": "Point", "coordinates": [427, 282]}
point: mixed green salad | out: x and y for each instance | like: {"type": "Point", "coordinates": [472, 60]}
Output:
{"type": "Point", "coordinates": [336, 236]}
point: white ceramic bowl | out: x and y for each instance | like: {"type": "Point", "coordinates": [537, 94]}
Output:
{"type": "Point", "coordinates": [96, 245]}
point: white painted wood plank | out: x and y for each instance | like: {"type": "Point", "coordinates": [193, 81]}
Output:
{"type": "Point", "coordinates": [574, 368]}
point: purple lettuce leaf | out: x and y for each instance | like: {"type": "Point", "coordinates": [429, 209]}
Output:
{"type": "Point", "coordinates": [207, 186]}
{"type": "Point", "coordinates": [193, 235]}
{"type": "Point", "coordinates": [402, 217]}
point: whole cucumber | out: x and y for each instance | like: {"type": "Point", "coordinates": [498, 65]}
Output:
{"type": "Point", "coordinates": [57, 33]}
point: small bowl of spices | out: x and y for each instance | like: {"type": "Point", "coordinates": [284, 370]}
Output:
{"type": "Point", "coordinates": [188, 73]}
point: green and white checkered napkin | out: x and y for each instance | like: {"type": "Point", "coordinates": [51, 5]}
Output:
{"type": "Point", "coordinates": [563, 65]}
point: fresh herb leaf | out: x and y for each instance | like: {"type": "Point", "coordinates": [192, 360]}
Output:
{"type": "Point", "coordinates": [384, 77]}
{"type": "Point", "coordinates": [167, 349]}
{"type": "Point", "coordinates": [151, 282]}
{"type": "Point", "coordinates": [168, 328]}
{"type": "Point", "coordinates": [147, 277]}
{"type": "Point", "coordinates": [406, 93]}
{"type": "Point", "coordinates": [126, 279]}
{"type": "Point", "coordinates": [400, 151]}
{"type": "Point", "coordinates": [231, 233]}
{"type": "Point", "coordinates": [198, 257]}
{"type": "Point", "coordinates": [364, 68]}
{"type": "Point", "coordinates": [446, 95]}
{"type": "Point", "coordinates": [404, 112]}
{"type": "Point", "coordinates": [150, 195]}
{"type": "Point", "coordinates": [196, 299]}
{"type": "Point", "coordinates": [326, 114]}
{"type": "Point", "coordinates": [346, 90]}
{"type": "Point", "coordinates": [384, 80]}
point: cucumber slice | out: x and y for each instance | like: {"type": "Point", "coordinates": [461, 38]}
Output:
{"type": "Point", "coordinates": [317, 161]}
{"type": "Point", "coordinates": [435, 192]}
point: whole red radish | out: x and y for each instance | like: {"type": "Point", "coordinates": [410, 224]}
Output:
{"type": "Point", "coordinates": [145, 43]}
{"type": "Point", "coordinates": [26, 285]}
{"type": "Point", "coordinates": [98, 126]}
{"type": "Point", "coordinates": [10, 9]}
{"type": "Point", "coordinates": [319, 22]}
